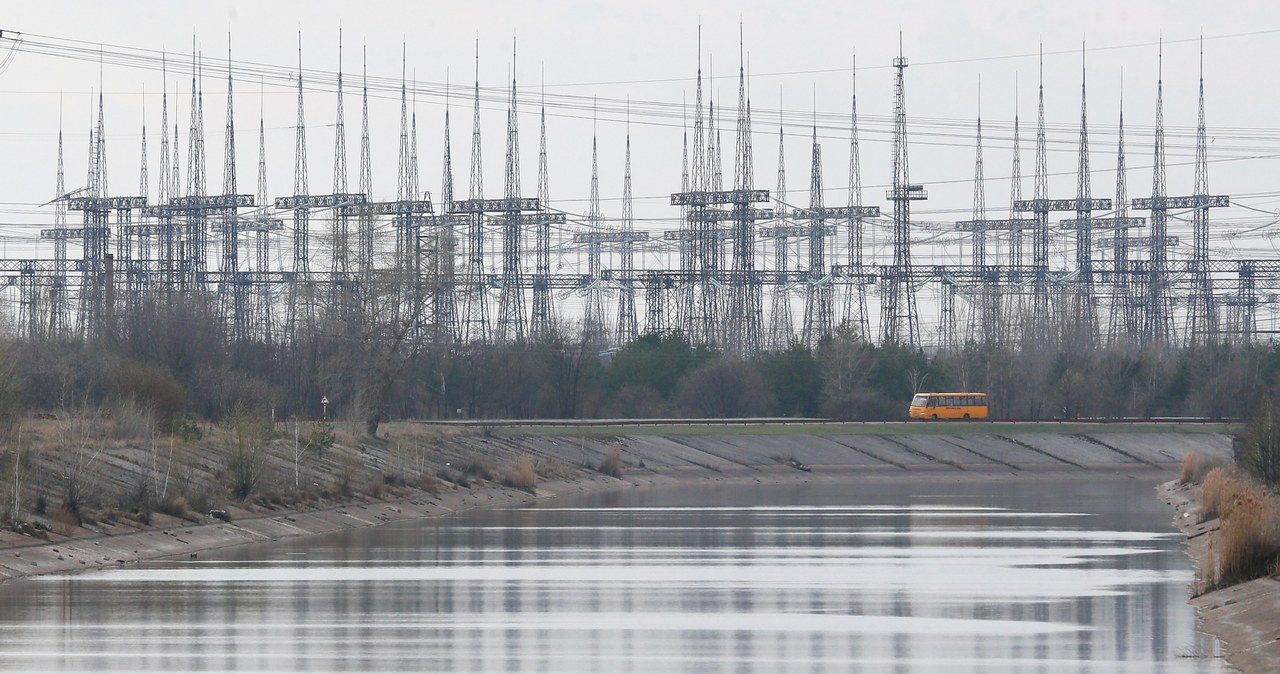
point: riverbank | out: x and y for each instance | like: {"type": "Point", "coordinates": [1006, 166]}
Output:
{"type": "Point", "coordinates": [423, 476]}
{"type": "Point", "coordinates": [1245, 617]}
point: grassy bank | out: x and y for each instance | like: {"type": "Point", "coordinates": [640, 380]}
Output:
{"type": "Point", "coordinates": [81, 475]}
{"type": "Point", "coordinates": [865, 428]}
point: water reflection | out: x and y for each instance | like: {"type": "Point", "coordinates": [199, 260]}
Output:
{"type": "Point", "coordinates": [957, 577]}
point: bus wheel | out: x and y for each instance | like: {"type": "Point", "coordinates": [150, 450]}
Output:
{"type": "Point", "coordinates": [966, 417]}
{"type": "Point", "coordinates": [935, 417]}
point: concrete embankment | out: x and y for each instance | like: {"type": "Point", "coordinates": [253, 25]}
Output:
{"type": "Point", "coordinates": [649, 457]}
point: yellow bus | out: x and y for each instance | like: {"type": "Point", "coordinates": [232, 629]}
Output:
{"type": "Point", "coordinates": [949, 406]}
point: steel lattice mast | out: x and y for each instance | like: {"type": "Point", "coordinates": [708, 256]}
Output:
{"type": "Point", "coordinates": [197, 178]}
{"type": "Point", "coordinates": [818, 291]}
{"type": "Point", "coordinates": [1038, 331]}
{"type": "Point", "coordinates": [445, 299]}
{"type": "Point", "coordinates": [541, 318]}
{"type": "Point", "coordinates": [299, 299]}
{"type": "Point", "coordinates": [475, 322]}
{"type": "Point", "coordinates": [781, 328]}
{"type": "Point", "coordinates": [1125, 323]}
{"type": "Point", "coordinates": [340, 255]}
{"type": "Point", "coordinates": [744, 313]}
{"type": "Point", "coordinates": [265, 324]}
{"type": "Point", "coordinates": [58, 320]}
{"type": "Point", "coordinates": [231, 292]}
{"type": "Point", "coordinates": [594, 325]}
{"type": "Point", "coordinates": [365, 250]}
{"type": "Point", "coordinates": [511, 322]}
{"type": "Point", "coordinates": [855, 307]}
{"type": "Point", "coordinates": [1157, 317]}
{"type": "Point", "coordinates": [1086, 310]}
{"type": "Point", "coordinates": [898, 322]}
{"type": "Point", "coordinates": [627, 330]}
{"type": "Point", "coordinates": [1203, 326]}
{"type": "Point", "coordinates": [1015, 256]}
{"type": "Point", "coordinates": [987, 308]}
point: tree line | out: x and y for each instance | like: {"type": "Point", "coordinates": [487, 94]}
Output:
{"type": "Point", "coordinates": [174, 359]}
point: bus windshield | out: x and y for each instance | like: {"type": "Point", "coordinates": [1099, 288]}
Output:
{"type": "Point", "coordinates": [919, 401]}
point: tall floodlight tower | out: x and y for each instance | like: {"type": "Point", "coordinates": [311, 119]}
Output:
{"type": "Point", "coordinates": [511, 325]}
{"type": "Point", "coordinates": [898, 320]}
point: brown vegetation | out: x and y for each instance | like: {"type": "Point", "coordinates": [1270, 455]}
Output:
{"type": "Point", "coordinates": [1248, 541]}
{"type": "Point", "coordinates": [1217, 492]}
{"type": "Point", "coordinates": [520, 474]}
{"type": "Point", "coordinates": [1195, 466]}
{"type": "Point", "coordinates": [612, 464]}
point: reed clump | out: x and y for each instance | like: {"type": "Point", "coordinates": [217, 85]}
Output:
{"type": "Point", "coordinates": [1249, 538]}
{"type": "Point", "coordinates": [1248, 542]}
{"type": "Point", "coordinates": [1195, 466]}
{"type": "Point", "coordinates": [612, 464]}
{"type": "Point", "coordinates": [520, 474]}
{"type": "Point", "coordinates": [1217, 492]}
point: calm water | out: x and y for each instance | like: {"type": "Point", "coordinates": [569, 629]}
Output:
{"type": "Point", "coordinates": [1035, 576]}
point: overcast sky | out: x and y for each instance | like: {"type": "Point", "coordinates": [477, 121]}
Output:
{"type": "Point", "coordinates": [801, 60]}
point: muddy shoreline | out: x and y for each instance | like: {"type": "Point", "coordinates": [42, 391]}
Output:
{"type": "Point", "coordinates": [1245, 617]}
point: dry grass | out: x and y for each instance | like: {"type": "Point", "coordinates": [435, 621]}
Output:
{"type": "Point", "coordinates": [553, 468]}
{"type": "Point", "coordinates": [1218, 492]}
{"type": "Point", "coordinates": [430, 484]}
{"type": "Point", "coordinates": [1248, 542]}
{"type": "Point", "coordinates": [1195, 466]}
{"type": "Point", "coordinates": [612, 464]}
{"type": "Point", "coordinates": [1249, 539]}
{"type": "Point", "coordinates": [64, 520]}
{"type": "Point", "coordinates": [521, 474]}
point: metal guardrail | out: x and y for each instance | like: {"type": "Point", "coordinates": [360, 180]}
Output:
{"type": "Point", "coordinates": [792, 421]}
